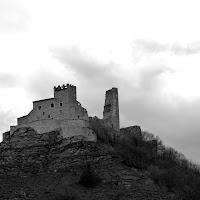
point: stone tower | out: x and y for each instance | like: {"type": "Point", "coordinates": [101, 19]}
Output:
{"type": "Point", "coordinates": [111, 109]}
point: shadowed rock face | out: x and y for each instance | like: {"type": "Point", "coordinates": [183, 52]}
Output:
{"type": "Point", "coordinates": [26, 152]}
{"type": "Point", "coordinates": [28, 137]}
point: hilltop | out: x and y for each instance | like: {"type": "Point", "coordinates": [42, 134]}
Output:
{"type": "Point", "coordinates": [58, 152]}
{"type": "Point", "coordinates": [48, 166]}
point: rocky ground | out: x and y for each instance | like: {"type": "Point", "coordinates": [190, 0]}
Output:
{"type": "Point", "coordinates": [42, 167]}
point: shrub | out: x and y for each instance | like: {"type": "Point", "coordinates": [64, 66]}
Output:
{"type": "Point", "coordinates": [140, 155]}
{"type": "Point", "coordinates": [171, 177]}
{"type": "Point", "coordinates": [89, 178]}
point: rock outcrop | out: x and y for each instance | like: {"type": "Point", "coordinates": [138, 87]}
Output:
{"type": "Point", "coordinates": [36, 166]}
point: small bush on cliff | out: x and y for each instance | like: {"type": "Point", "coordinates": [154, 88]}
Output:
{"type": "Point", "coordinates": [137, 154]}
{"type": "Point", "coordinates": [89, 178]}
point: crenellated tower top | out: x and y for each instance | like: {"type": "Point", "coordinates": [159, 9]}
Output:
{"type": "Point", "coordinates": [63, 87]}
{"type": "Point", "coordinates": [66, 93]}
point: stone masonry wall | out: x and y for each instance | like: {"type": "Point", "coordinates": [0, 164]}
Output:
{"type": "Point", "coordinates": [63, 111]}
{"type": "Point", "coordinates": [111, 109]}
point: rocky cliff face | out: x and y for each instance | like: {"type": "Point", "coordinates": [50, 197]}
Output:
{"type": "Point", "coordinates": [38, 166]}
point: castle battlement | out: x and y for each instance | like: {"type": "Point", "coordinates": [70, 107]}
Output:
{"type": "Point", "coordinates": [64, 87]}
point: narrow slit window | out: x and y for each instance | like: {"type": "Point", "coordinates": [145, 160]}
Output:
{"type": "Point", "coordinates": [52, 105]}
{"type": "Point", "coordinates": [60, 104]}
{"type": "Point", "coordinates": [39, 107]}
{"type": "Point", "coordinates": [48, 116]}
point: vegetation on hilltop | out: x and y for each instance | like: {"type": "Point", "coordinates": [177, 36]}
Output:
{"type": "Point", "coordinates": [167, 167]}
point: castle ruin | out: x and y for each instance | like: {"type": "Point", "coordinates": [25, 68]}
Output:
{"type": "Point", "coordinates": [61, 112]}
{"type": "Point", "coordinates": [64, 112]}
{"type": "Point", "coordinates": [111, 109]}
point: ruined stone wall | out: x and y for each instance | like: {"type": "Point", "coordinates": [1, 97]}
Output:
{"type": "Point", "coordinates": [111, 109]}
{"type": "Point", "coordinates": [131, 131]}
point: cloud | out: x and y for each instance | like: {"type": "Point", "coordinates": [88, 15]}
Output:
{"type": "Point", "coordinates": [154, 47]}
{"type": "Point", "coordinates": [190, 49]}
{"type": "Point", "coordinates": [39, 85]}
{"type": "Point", "coordinates": [150, 78]}
{"type": "Point", "coordinates": [172, 118]}
{"type": "Point", "coordinates": [13, 17]}
{"type": "Point", "coordinates": [177, 126]}
{"type": "Point", "coordinates": [149, 46]}
{"type": "Point", "coordinates": [93, 78]}
{"type": "Point", "coordinates": [85, 66]}
{"type": "Point", "coordinates": [8, 80]}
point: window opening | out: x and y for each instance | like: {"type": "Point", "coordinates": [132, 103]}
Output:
{"type": "Point", "coordinates": [60, 104]}
{"type": "Point", "coordinates": [39, 107]}
{"type": "Point", "coordinates": [52, 105]}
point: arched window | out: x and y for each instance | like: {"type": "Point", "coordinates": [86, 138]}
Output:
{"type": "Point", "coordinates": [39, 107]}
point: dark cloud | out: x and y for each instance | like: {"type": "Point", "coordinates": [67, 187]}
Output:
{"type": "Point", "coordinates": [190, 49]}
{"type": "Point", "coordinates": [149, 46]}
{"type": "Point", "coordinates": [13, 17]}
{"type": "Point", "coordinates": [173, 119]}
{"type": "Point", "coordinates": [8, 80]}
{"type": "Point", "coordinates": [177, 126]}
{"type": "Point", "coordinates": [86, 67]}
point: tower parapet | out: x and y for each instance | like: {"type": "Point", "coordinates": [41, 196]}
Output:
{"type": "Point", "coordinates": [63, 87]}
{"type": "Point", "coordinates": [66, 93]}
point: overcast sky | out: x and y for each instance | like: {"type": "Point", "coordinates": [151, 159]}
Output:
{"type": "Point", "coordinates": [150, 50]}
